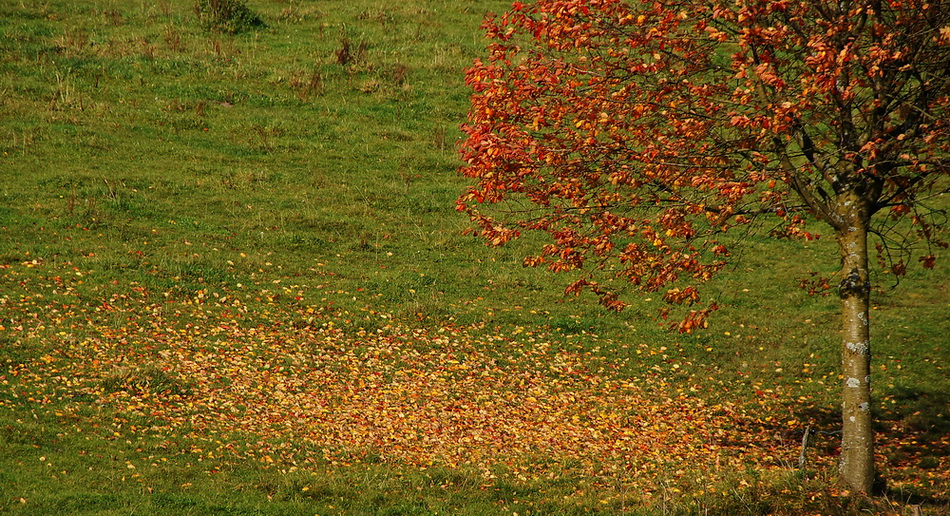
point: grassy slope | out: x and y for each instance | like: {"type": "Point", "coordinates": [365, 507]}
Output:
{"type": "Point", "coordinates": [143, 153]}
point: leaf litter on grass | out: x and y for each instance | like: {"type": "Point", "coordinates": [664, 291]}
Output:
{"type": "Point", "coordinates": [295, 385]}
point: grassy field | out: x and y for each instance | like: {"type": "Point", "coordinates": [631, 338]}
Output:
{"type": "Point", "coordinates": [232, 281]}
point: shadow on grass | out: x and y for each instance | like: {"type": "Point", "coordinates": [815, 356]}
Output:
{"type": "Point", "coordinates": [912, 435]}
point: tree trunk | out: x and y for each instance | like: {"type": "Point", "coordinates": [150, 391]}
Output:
{"type": "Point", "coordinates": [857, 442]}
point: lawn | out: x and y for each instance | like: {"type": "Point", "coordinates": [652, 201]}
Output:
{"type": "Point", "coordinates": [233, 280]}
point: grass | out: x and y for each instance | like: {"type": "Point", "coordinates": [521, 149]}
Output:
{"type": "Point", "coordinates": [172, 194]}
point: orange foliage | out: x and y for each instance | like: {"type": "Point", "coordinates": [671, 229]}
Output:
{"type": "Point", "coordinates": [634, 133]}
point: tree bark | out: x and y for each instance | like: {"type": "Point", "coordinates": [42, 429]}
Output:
{"type": "Point", "coordinates": [857, 442]}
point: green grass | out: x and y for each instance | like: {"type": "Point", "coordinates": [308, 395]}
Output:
{"type": "Point", "coordinates": [307, 170]}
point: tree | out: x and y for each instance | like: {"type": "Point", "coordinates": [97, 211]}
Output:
{"type": "Point", "coordinates": [636, 134]}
